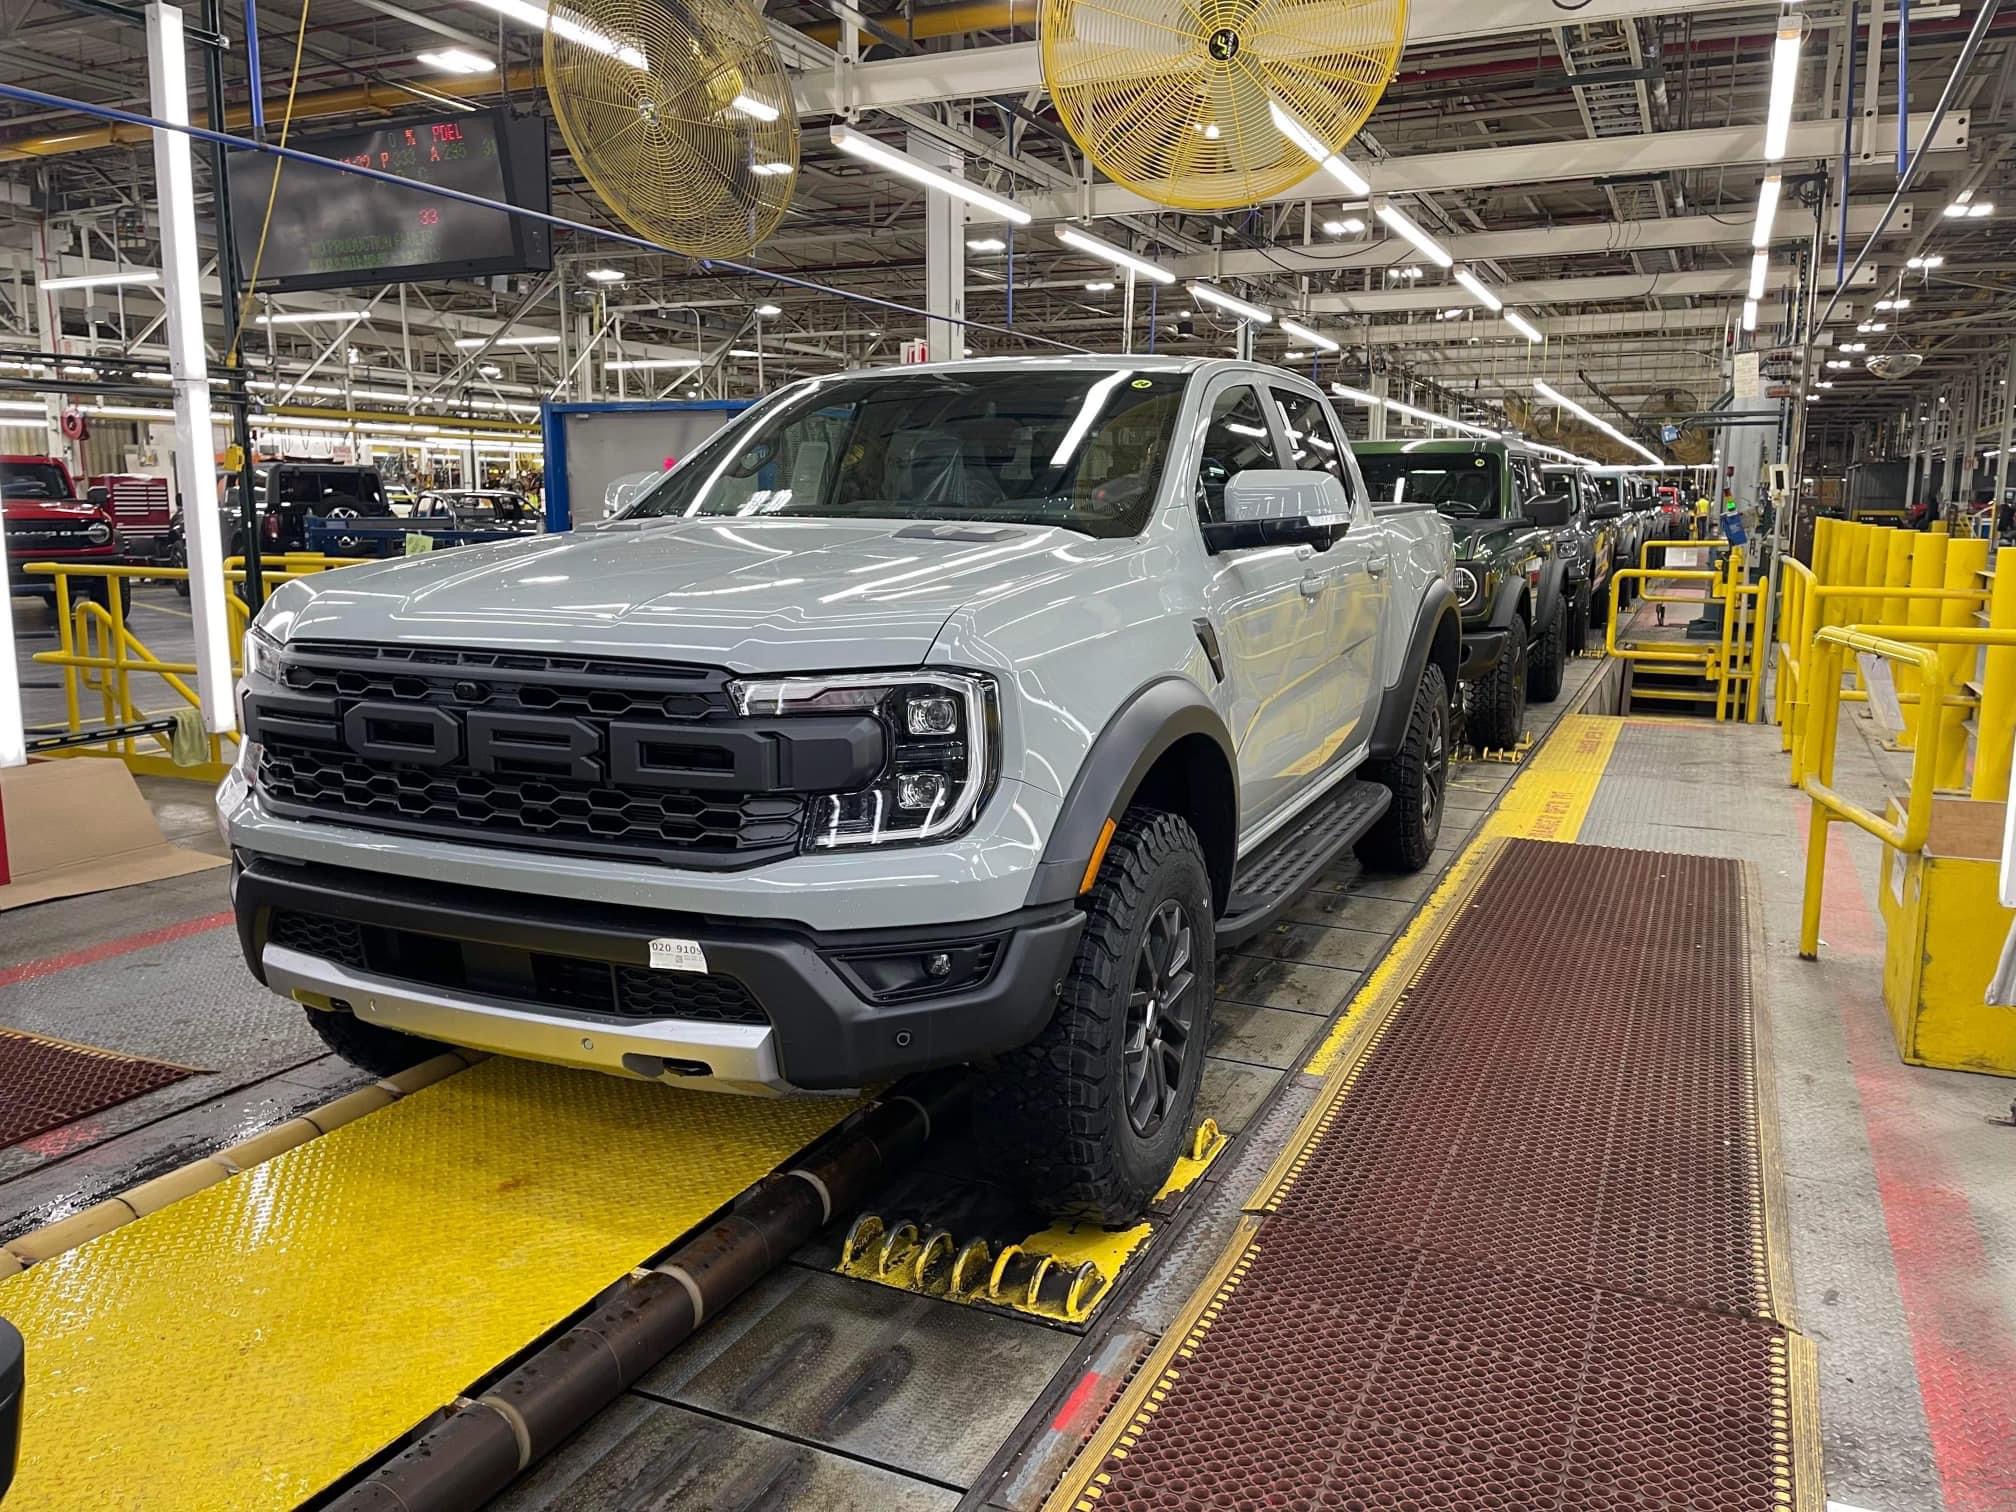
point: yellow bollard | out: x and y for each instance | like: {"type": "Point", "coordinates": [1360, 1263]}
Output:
{"type": "Point", "coordinates": [1897, 574]}
{"type": "Point", "coordinates": [1964, 560]}
{"type": "Point", "coordinates": [1928, 570]}
{"type": "Point", "coordinates": [1995, 720]}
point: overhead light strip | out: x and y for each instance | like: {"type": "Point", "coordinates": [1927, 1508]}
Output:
{"type": "Point", "coordinates": [1212, 295]}
{"type": "Point", "coordinates": [860, 145]}
{"type": "Point", "coordinates": [1302, 333]}
{"type": "Point", "coordinates": [1555, 396]}
{"type": "Point", "coordinates": [1107, 252]}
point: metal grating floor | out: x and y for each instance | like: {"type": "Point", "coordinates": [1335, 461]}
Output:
{"type": "Point", "coordinates": [46, 1083]}
{"type": "Point", "coordinates": [1523, 1258]}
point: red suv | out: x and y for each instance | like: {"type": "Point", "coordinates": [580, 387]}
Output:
{"type": "Point", "coordinates": [46, 521]}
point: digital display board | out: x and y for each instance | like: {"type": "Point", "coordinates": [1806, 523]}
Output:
{"type": "Point", "coordinates": [332, 229]}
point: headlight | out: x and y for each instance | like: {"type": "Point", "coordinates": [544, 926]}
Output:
{"type": "Point", "coordinates": [1469, 587]}
{"type": "Point", "coordinates": [98, 533]}
{"type": "Point", "coordinates": [943, 731]}
{"type": "Point", "coordinates": [262, 656]}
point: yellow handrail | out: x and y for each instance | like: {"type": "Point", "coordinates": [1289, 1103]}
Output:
{"type": "Point", "coordinates": [1912, 646]}
{"type": "Point", "coordinates": [99, 652]}
{"type": "Point", "coordinates": [1733, 664]}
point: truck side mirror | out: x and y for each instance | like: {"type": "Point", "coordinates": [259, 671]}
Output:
{"type": "Point", "coordinates": [1275, 506]}
{"type": "Point", "coordinates": [1551, 510]}
{"type": "Point", "coordinates": [99, 496]}
{"type": "Point", "coordinates": [13, 1383]}
{"type": "Point", "coordinates": [1609, 509]}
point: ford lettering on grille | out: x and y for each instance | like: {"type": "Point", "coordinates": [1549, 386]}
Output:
{"type": "Point", "coordinates": [667, 770]}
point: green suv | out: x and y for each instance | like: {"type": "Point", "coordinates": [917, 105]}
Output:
{"type": "Point", "coordinates": [1519, 545]}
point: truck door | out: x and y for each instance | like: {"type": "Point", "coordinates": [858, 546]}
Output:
{"type": "Point", "coordinates": [1356, 571]}
{"type": "Point", "coordinates": [1268, 608]}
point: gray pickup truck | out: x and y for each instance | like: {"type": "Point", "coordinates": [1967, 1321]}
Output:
{"type": "Point", "coordinates": [922, 717]}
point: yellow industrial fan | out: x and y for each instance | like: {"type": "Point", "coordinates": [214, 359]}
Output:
{"type": "Point", "coordinates": [1170, 97]}
{"type": "Point", "coordinates": [679, 113]}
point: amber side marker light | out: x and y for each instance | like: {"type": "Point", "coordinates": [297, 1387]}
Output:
{"type": "Point", "coordinates": [1098, 855]}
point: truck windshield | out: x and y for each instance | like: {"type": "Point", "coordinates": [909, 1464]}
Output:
{"type": "Point", "coordinates": [1456, 483]}
{"type": "Point", "coordinates": [33, 480]}
{"type": "Point", "coordinates": [1083, 450]}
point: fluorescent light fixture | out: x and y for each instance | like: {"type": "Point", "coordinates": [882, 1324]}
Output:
{"type": "Point", "coordinates": [1107, 252]}
{"type": "Point", "coordinates": [769, 170]}
{"type": "Point", "coordinates": [1980, 210]}
{"type": "Point", "coordinates": [868, 150]}
{"type": "Point", "coordinates": [1431, 418]}
{"type": "Point", "coordinates": [768, 311]}
{"type": "Point", "coordinates": [1099, 286]}
{"type": "Point", "coordinates": [1554, 396]}
{"type": "Point", "coordinates": [1873, 327]}
{"type": "Point", "coordinates": [1760, 267]}
{"type": "Point", "coordinates": [1749, 314]}
{"type": "Point", "coordinates": [1350, 225]}
{"type": "Point", "coordinates": [986, 244]}
{"type": "Point", "coordinates": [1353, 181]}
{"type": "Point", "coordinates": [475, 343]}
{"type": "Point", "coordinates": [1396, 220]}
{"type": "Point", "coordinates": [1824, 383]}
{"type": "Point", "coordinates": [1784, 77]}
{"type": "Point", "coordinates": [130, 412]}
{"type": "Point", "coordinates": [457, 60]}
{"type": "Point", "coordinates": [1767, 210]}
{"type": "Point", "coordinates": [311, 317]}
{"type": "Point", "coordinates": [565, 24]}
{"type": "Point", "coordinates": [1524, 326]}
{"type": "Point", "coordinates": [1933, 261]}
{"type": "Point", "coordinates": [1474, 287]}
{"type": "Point", "coordinates": [755, 109]}
{"type": "Point", "coordinates": [1893, 304]}
{"type": "Point", "coordinates": [744, 352]}
{"type": "Point", "coordinates": [650, 364]}
{"type": "Point", "coordinates": [99, 280]}
{"type": "Point", "coordinates": [1303, 333]}
{"type": "Point", "coordinates": [1224, 301]}
{"type": "Point", "coordinates": [607, 275]}
{"type": "Point", "coordinates": [1356, 396]}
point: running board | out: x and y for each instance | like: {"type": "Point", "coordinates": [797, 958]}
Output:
{"type": "Point", "coordinates": [1267, 883]}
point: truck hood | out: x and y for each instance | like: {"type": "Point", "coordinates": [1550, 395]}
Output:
{"type": "Point", "coordinates": [751, 595]}
{"type": "Point", "coordinates": [27, 511]}
{"type": "Point", "coordinates": [1481, 537]}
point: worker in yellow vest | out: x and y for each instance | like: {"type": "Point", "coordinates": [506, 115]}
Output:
{"type": "Point", "coordinates": [1704, 511]}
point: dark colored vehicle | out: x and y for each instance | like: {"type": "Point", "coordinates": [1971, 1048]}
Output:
{"type": "Point", "coordinates": [47, 521]}
{"type": "Point", "coordinates": [479, 509]}
{"type": "Point", "coordinates": [1593, 522]}
{"type": "Point", "coordinates": [450, 517]}
{"type": "Point", "coordinates": [1517, 545]}
{"type": "Point", "coordinates": [290, 495]}
{"type": "Point", "coordinates": [13, 1382]}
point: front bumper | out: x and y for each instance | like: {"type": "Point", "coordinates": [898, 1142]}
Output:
{"type": "Point", "coordinates": [43, 585]}
{"type": "Point", "coordinates": [1483, 649]}
{"type": "Point", "coordinates": [820, 1031]}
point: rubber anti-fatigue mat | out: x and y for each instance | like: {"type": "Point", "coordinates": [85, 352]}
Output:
{"type": "Point", "coordinates": [1522, 1261]}
{"type": "Point", "coordinates": [243, 1347]}
{"type": "Point", "coordinates": [45, 1083]}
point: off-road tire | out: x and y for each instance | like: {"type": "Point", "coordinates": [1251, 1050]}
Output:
{"type": "Point", "coordinates": [1418, 777]}
{"type": "Point", "coordinates": [1053, 1113]}
{"type": "Point", "coordinates": [1495, 716]}
{"type": "Point", "coordinates": [380, 1051]}
{"type": "Point", "coordinates": [1550, 661]}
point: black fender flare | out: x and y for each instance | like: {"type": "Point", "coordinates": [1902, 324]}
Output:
{"type": "Point", "coordinates": [1506, 604]}
{"type": "Point", "coordinates": [1396, 703]}
{"type": "Point", "coordinates": [1551, 597]}
{"type": "Point", "coordinates": [1152, 720]}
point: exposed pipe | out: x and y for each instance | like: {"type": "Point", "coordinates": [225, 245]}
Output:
{"type": "Point", "coordinates": [481, 1446]}
{"type": "Point", "coordinates": [1847, 142]}
{"type": "Point", "coordinates": [1961, 64]}
{"type": "Point", "coordinates": [938, 21]}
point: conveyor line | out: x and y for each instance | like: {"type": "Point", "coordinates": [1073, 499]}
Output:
{"type": "Point", "coordinates": [246, 1346]}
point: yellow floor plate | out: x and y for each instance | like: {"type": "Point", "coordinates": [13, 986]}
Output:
{"type": "Point", "coordinates": [247, 1345]}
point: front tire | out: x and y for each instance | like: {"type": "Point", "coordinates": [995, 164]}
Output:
{"type": "Point", "coordinates": [1550, 658]}
{"type": "Point", "coordinates": [1418, 776]}
{"type": "Point", "coordinates": [1497, 704]}
{"type": "Point", "coordinates": [1087, 1121]}
{"type": "Point", "coordinates": [381, 1051]}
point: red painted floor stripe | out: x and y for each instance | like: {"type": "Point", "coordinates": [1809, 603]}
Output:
{"type": "Point", "coordinates": [1962, 1336]}
{"type": "Point", "coordinates": [29, 971]}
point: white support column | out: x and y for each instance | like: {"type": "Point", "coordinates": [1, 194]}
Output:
{"type": "Point", "coordinates": [188, 367]}
{"type": "Point", "coordinates": [1375, 415]}
{"type": "Point", "coordinates": [944, 252]}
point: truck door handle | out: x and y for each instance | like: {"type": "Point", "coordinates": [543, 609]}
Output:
{"type": "Point", "coordinates": [1377, 566]}
{"type": "Point", "coordinates": [1313, 584]}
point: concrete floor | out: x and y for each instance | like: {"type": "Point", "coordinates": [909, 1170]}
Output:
{"type": "Point", "coordinates": [1897, 1179]}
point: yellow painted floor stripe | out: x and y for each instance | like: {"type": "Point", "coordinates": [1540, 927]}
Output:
{"type": "Point", "coordinates": [1548, 800]}
{"type": "Point", "coordinates": [245, 1346]}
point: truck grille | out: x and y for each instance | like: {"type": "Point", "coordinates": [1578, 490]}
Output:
{"type": "Point", "coordinates": [59, 534]}
{"type": "Point", "coordinates": [307, 767]}
{"type": "Point", "coordinates": [532, 977]}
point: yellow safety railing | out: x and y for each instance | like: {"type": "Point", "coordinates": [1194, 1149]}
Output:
{"type": "Point", "coordinates": [1895, 583]}
{"type": "Point", "coordinates": [1732, 664]}
{"type": "Point", "coordinates": [101, 655]}
{"type": "Point", "coordinates": [1924, 652]}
